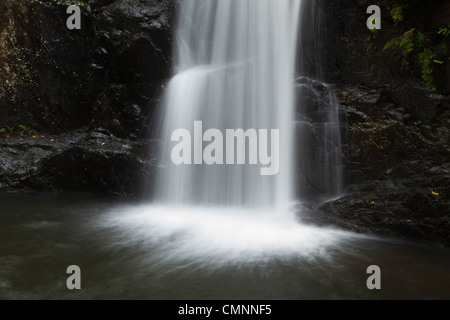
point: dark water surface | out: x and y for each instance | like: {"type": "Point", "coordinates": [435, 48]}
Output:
{"type": "Point", "coordinates": [134, 251]}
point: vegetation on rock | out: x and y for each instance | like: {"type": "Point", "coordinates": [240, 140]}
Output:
{"type": "Point", "coordinates": [419, 50]}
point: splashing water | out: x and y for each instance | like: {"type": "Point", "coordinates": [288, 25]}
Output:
{"type": "Point", "coordinates": [215, 236]}
{"type": "Point", "coordinates": [235, 65]}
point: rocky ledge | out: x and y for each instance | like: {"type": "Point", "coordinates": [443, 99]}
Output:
{"type": "Point", "coordinates": [396, 106]}
{"type": "Point", "coordinates": [399, 166]}
{"type": "Point", "coordinates": [79, 160]}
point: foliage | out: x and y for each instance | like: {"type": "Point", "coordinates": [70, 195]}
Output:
{"type": "Point", "coordinates": [444, 31]}
{"type": "Point", "coordinates": [410, 39]}
{"type": "Point", "coordinates": [426, 58]}
{"type": "Point", "coordinates": [23, 129]}
{"type": "Point", "coordinates": [397, 13]}
{"type": "Point", "coordinates": [371, 38]}
{"type": "Point", "coordinates": [7, 129]}
{"type": "Point", "coordinates": [17, 130]}
{"type": "Point", "coordinates": [412, 47]}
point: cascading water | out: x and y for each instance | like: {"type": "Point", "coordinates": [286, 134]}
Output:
{"type": "Point", "coordinates": [320, 159]}
{"type": "Point", "coordinates": [318, 128]}
{"type": "Point", "coordinates": [235, 64]}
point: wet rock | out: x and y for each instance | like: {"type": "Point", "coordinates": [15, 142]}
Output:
{"type": "Point", "coordinates": [45, 75]}
{"type": "Point", "coordinates": [92, 90]}
{"type": "Point", "coordinates": [135, 41]}
{"type": "Point", "coordinates": [55, 80]}
{"type": "Point", "coordinates": [396, 141]}
{"type": "Point", "coordinates": [390, 209]}
{"type": "Point", "coordinates": [318, 130]}
{"type": "Point", "coordinates": [398, 169]}
{"type": "Point", "coordinates": [76, 161]}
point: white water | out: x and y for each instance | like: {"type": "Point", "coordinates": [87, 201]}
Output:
{"type": "Point", "coordinates": [218, 236]}
{"type": "Point", "coordinates": [235, 64]}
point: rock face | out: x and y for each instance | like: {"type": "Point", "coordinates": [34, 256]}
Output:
{"type": "Point", "coordinates": [134, 53]}
{"type": "Point", "coordinates": [399, 171]}
{"type": "Point", "coordinates": [80, 160]}
{"type": "Point", "coordinates": [45, 76]}
{"type": "Point", "coordinates": [106, 77]}
{"type": "Point", "coordinates": [320, 159]}
{"type": "Point", "coordinates": [396, 139]}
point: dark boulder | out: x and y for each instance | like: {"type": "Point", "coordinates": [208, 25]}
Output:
{"type": "Point", "coordinates": [398, 209]}
{"type": "Point", "coordinates": [80, 160]}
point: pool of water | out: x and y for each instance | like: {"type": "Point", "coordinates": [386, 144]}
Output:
{"type": "Point", "coordinates": [129, 250]}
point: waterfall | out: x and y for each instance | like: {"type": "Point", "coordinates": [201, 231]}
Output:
{"type": "Point", "coordinates": [234, 69]}
{"type": "Point", "coordinates": [320, 160]}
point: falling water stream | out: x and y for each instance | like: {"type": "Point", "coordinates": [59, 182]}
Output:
{"type": "Point", "coordinates": [219, 231]}
{"type": "Point", "coordinates": [235, 64]}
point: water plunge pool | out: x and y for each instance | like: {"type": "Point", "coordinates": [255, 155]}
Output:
{"type": "Point", "coordinates": [129, 250]}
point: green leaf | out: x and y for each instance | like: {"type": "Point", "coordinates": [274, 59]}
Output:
{"type": "Point", "coordinates": [444, 31]}
{"type": "Point", "coordinates": [408, 50]}
{"type": "Point", "coordinates": [438, 61]}
{"type": "Point", "coordinates": [397, 13]}
{"type": "Point", "coordinates": [420, 37]}
{"type": "Point", "coordinates": [391, 43]}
